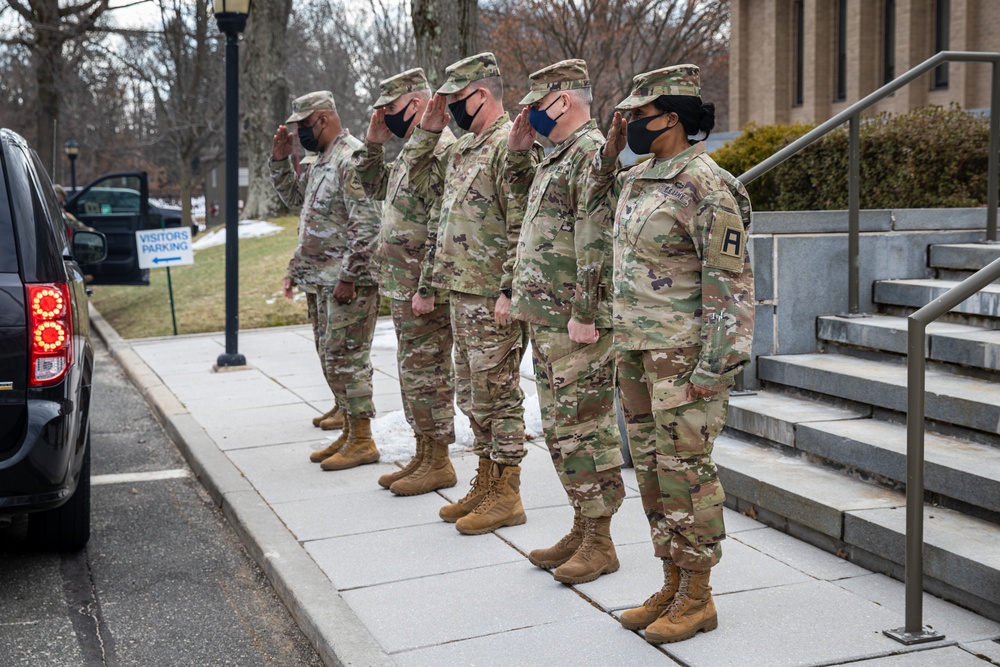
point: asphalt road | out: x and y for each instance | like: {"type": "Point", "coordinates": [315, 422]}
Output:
{"type": "Point", "coordinates": [164, 579]}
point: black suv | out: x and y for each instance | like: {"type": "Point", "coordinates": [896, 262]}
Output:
{"type": "Point", "coordinates": [46, 356]}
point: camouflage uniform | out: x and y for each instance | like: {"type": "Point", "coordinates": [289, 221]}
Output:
{"type": "Point", "coordinates": [683, 313]}
{"type": "Point", "coordinates": [424, 342]}
{"type": "Point", "coordinates": [337, 226]}
{"type": "Point", "coordinates": [563, 266]}
{"type": "Point", "coordinates": [471, 248]}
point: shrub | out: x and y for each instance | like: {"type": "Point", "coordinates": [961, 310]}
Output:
{"type": "Point", "coordinates": [928, 158]}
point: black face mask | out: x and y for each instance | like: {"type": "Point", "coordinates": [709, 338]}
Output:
{"type": "Point", "coordinates": [307, 138]}
{"type": "Point", "coordinates": [461, 114]}
{"type": "Point", "coordinates": [640, 140]}
{"type": "Point", "coordinates": [397, 125]}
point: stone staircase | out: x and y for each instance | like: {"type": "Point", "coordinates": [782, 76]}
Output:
{"type": "Point", "coordinates": [819, 451]}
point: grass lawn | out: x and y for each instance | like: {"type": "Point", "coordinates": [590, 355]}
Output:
{"type": "Point", "coordinates": [199, 291]}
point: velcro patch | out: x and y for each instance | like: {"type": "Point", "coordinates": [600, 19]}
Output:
{"type": "Point", "coordinates": [727, 242]}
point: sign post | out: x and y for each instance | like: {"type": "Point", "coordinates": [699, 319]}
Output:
{"type": "Point", "coordinates": [163, 248]}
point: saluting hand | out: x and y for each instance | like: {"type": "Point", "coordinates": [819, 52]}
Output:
{"type": "Point", "coordinates": [378, 133]}
{"type": "Point", "coordinates": [436, 116]}
{"type": "Point", "coordinates": [522, 135]}
{"type": "Point", "coordinates": [617, 137]}
{"type": "Point", "coordinates": [281, 146]}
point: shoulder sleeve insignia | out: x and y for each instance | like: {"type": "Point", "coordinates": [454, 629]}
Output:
{"type": "Point", "coordinates": [726, 242]}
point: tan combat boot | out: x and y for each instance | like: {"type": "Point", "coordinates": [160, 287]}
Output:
{"type": "Point", "coordinates": [435, 472]}
{"type": "Point", "coordinates": [479, 487]}
{"type": "Point", "coordinates": [639, 617]}
{"type": "Point", "coordinates": [596, 555]}
{"type": "Point", "coordinates": [501, 506]}
{"type": "Point", "coordinates": [692, 610]}
{"type": "Point", "coordinates": [359, 450]}
{"type": "Point", "coordinates": [321, 455]}
{"type": "Point", "coordinates": [386, 480]}
{"type": "Point", "coordinates": [332, 411]}
{"type": "Point", "coordinates": [562, 550]}
{"type": "Point", "coordinates": [334, 420]}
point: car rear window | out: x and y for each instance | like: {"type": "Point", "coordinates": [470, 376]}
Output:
{"type": "Point", "coordinates": [41, 254]}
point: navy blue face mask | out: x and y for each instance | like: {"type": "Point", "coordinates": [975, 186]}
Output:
{"type": "Point", "coordinates": [541, 121]}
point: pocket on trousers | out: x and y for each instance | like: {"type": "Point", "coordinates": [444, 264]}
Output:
{"type": "Point", "coordinates": [608, 459]}
{"type": "Point", "coordinates": [707, 499]}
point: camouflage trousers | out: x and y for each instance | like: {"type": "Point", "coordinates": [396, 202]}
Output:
{"type": "Point", "coordinates": [344, 343]}
{"type": "Point", "coordinates": [319, 331]}
{"type": "Point", "coordinates": [488, 378]}
{"type": "Point", "coordinates": [426, 373]}
{"type": "Point", "coordinates": [576, 393]}
{"type": "Point", "coordinates": [671, 442]}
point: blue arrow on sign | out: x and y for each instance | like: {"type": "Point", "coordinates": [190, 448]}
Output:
{"type": "Point", "coordinates": [157, 260]}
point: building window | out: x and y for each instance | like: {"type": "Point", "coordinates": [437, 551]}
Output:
{"type": "Point", "coordinates": [800, 52]}
{"type": "Point", "coordinates": [889, 42]}
{"type": "Point", "coordinates": [942, 26]}
{"type": "Point", "coordinates": [841, 50]}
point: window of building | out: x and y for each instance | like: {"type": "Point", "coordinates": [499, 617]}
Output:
{"type": "Point", "coordinates": [942, 27]}
{"type": "Point", "coordinates": [800, 52]}
{"type": "Point", "coordinates": [841, 50]}
{"type": "Point", "coordinates": [889, 42]}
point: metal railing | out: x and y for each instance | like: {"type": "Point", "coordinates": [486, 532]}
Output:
{"type": "Point", "coordinates": [852, 115]}
{"type": "Point", "coordinates": [914, 631]}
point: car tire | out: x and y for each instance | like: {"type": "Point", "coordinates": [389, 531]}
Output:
{"type": "Point", "coordinates": [67, 527]}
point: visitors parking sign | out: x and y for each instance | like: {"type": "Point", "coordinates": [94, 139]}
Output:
{"type": "Point", "coordinates": [164, 247]}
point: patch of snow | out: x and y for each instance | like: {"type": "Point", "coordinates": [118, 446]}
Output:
{"type": "Point", "coordinates": [248, 229]}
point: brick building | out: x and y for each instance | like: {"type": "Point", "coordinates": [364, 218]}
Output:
{"type": "Point", "coordinates": [806, 60]}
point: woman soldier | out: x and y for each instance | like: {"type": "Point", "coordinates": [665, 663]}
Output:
{"type": "Point", "coordinates": [683, 325]}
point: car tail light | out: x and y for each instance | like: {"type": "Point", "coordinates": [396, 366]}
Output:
{"type": "Point", "coordinates": [50, 330]}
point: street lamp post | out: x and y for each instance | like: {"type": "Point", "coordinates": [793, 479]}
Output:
{"type": "Point", "coordinates": [72, 150]}
{"type": "Point", "coordinates": [231, 15]}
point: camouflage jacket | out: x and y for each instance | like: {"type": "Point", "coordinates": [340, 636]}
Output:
{"type": "Point", "coordinates": [563, 254]}
{"type": "Point", "coordinates": [472, 243]}
{"type": "Point", "coordinates": [402, 241]}
{"type": "Point", "coordinates": [682, 276]}
{"type": "Point", "coordinates": [337, 225]}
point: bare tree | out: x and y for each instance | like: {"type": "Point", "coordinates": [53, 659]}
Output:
{"type": "Point", "coordinates": [445, 31]}
{"type": "Point", "coordinates": [617, 38]}
{"type": "Point", "coordinates": [264, 95]}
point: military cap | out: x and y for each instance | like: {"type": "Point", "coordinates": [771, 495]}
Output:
{"type": "Point", "coordinates": [465, 71]}
{"type": "Point", "coordinates": [395, 87]}
{"type": "Point", "coordinates": [306, 104]}
{"type": "Point", "coordinates": [564, 75]}
{"type": "Point", "coordinates": [675, 80]}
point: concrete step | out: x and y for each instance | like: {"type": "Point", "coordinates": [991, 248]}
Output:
{"type": "Point", "coordinates": [868, 523]}
{"type": "Point", "coordinates": [950, 398]}
{"type": "Point", "coordinates": [918, 292]}
{"type": "Point", "coordinates": [956, 469]}
{"type": "Point", "coordinates": [951, 343]}
{"type": "Point", "coordinates": [963, 256]}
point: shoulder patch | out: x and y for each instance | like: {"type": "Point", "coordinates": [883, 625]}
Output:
{"type": "Point", "coordinates": [727, 242]}
{"type": "Point", "coordinates": [352, 184]}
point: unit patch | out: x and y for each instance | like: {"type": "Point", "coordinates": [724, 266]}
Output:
{"type": "Point", "coordinates": [726, 242]}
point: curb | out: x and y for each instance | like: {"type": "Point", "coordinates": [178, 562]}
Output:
{"type": "Point", "coordinates": [330, 625]}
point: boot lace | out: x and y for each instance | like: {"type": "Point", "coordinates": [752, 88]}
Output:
{"type": "Point", "coordinates": [474, 485]}
{"type": "Point", "coordinates": [586, 548]}
{"type": "Point", "coordinates": [664, 594]}
{"type": "Point", "coordinates": [682, 599]}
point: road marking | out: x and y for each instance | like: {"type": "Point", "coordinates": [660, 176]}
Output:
{"type": "Point", "coordinates": [129, 477]}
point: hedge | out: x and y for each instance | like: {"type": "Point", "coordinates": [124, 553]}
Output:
{"type": "Point", "coordinates": [928, 158]}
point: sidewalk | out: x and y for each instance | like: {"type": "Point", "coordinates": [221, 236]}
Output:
{"type": "Point", "coordinates": [376, 579]}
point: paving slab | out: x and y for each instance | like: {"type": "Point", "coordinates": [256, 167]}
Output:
{"type": "Point", "coordinates": [805, 558]}
{"type": "Point", "coordinates": [782, 627]}
{"type": "Point", "coordinates": [946, 656]}
{"type": "Point", "coordinates": [589, 642]}
{"type": "Point", "coordinates": [985, 650]}
{"type": "Point", "coordinates": [957, 624]}
{"type": "Point", "coordinates": [290, 423]}
{"type": "Point", "coordinates": [423, 612]}
{"type": "Point", "coordinates": [406, 553]}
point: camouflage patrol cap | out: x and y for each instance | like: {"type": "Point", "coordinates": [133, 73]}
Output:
{"type": "Point", "coordinates": [563, 75]}
{"type": "Point", "coordinates": [303, 106]}
{"type": "Point", "coordinates": [410, 81]}
{"type": "Point", "coordinates": [674, 80]}
{"type": "Point", "coordinates": [465, 71]}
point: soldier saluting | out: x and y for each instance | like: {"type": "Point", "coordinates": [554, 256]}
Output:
{"type": "Point", "coordinates": [683, 327]}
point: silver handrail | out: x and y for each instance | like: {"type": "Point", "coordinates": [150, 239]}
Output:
{"type": "Point", "coordinates": [852, 115]}
{"type": "Point", "coordinates": [914, 631]}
